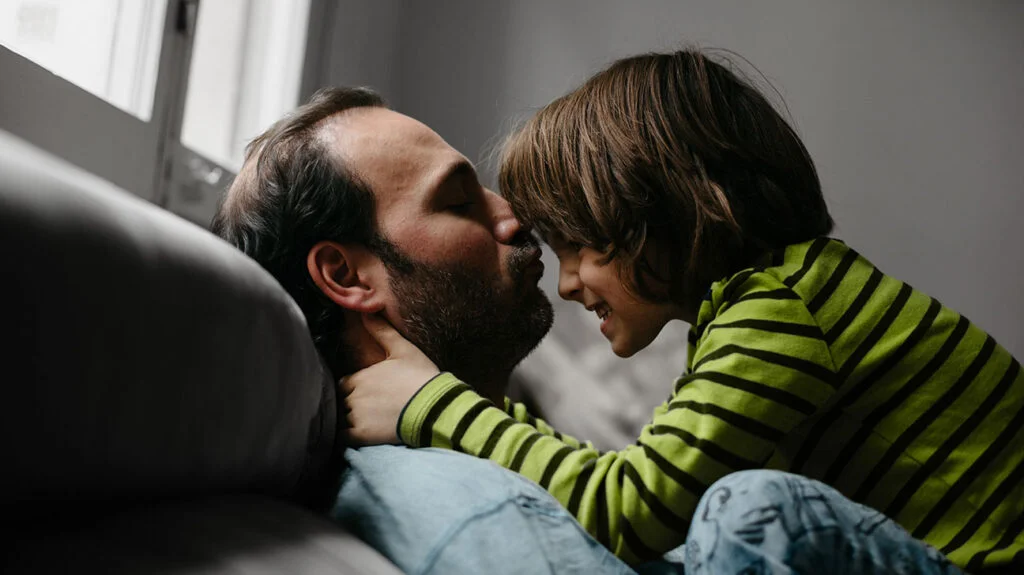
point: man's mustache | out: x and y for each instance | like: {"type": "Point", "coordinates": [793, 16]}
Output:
{"type": "Point", "coordinates": [525, 249]}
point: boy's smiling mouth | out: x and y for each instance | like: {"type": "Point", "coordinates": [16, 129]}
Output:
{"type": "Point", "coordinates": [601, 309]}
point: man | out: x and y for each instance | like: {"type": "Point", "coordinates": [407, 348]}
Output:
{"type": "Point", "coordinates": [357, 209]}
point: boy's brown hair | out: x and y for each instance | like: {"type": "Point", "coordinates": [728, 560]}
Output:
{"type": "Point", "coordinates": [673, 151]}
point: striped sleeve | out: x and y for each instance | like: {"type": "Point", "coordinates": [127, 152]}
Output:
{"type": "Point", "coordinates": [521, 414]}
{"type": "Point", "coordinates": [760, 367]}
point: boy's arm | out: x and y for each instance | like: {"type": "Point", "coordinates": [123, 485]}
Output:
{"type": "Point", "coordinates": [753, 380]}
{"type": "Point", "coordinates": [521, 414]}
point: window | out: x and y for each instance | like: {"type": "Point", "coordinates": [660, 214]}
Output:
{"type": "Point", "coordinates": [108, 47]}
{"type": "Point", "coordinates": [246, 67]}
{"type": "Point", "coordinates": [157, 96]}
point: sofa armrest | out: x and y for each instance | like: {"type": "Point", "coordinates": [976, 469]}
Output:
{"type": "Point", "coordinates": [144, 357]}
{"type": "Point", "coordinates": [228, 534]}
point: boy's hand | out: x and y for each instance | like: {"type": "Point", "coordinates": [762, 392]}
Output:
{"type": "Point", "coordinates": [376, 395]}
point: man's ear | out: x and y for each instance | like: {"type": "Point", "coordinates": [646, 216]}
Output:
{"type": "Point", "coordinates": [348, 275]}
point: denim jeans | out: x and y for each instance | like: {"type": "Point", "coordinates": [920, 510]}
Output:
{"type": "Point", "coordinates": [437, 511]}
{"type": "Point", "coordinates": [764, 521]}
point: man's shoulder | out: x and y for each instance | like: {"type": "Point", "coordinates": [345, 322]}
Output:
{"type": "Point", "coordinates": [399, 473]}
{"type": "Point", "coordinates": [413, 504]}
{"type": "Point", "coordinates": [388, 459]}
{"type": "Point", "coordinates": [431, 510]}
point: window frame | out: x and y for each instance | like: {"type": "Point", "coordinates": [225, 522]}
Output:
{"type": "Point", "coordinates": [144, 157]}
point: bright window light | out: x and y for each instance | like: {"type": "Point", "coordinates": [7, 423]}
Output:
{"type": "Point", "coordinates": [246, 68]}
{"type": "Point", "coordinates": [110, 48]}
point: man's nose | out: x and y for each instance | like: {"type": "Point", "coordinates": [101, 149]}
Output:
{"type": "Point", "coordinates": [506, 226]}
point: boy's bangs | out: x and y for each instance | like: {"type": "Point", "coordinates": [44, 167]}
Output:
{"type": "Point", "coordinates": [541, 179]}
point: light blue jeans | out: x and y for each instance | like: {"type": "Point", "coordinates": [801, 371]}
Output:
{"type": "Point", "coordinates": [437, 511]}
{"type": "Point", "coordinates": [763, 521]}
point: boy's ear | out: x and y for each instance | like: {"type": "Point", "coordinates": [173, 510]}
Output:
{"type": "Point", "coordinates": [348, 275]}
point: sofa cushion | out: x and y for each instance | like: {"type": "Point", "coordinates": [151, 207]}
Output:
{"type": "Point", "coordinates": [142, 356]}
{"type": "Point", "coordinates": [229, 534]}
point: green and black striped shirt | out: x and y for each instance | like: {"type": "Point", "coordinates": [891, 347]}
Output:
{"type": "Point", "coordinates": [817, 363]}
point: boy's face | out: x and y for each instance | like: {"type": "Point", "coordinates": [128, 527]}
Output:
{"type": "Point", "coordinates": [628, 322]}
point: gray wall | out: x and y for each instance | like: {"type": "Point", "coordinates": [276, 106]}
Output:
{"type": "Point", "coordinates": [913, 113]}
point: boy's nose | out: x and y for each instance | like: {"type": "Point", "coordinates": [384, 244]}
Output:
{"type": "Point", "coordinates": [570, 288]}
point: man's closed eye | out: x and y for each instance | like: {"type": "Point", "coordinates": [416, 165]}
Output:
{"type": "Point", "coordinates": [461, 207]}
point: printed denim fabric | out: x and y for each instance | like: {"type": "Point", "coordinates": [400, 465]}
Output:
{"type": "Point", "coordinates": [764, 521]}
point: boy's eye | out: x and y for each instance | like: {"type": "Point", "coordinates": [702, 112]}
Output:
{"type": "Point", "coordinates": [571, 246]}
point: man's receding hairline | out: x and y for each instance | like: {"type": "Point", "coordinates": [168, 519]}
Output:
{"type": "Point", "coordinates": [324, 134]}
{"type": "Point", "coordinates": [243, 189]}
{"type": "Point", "coordinates": [320, 129]}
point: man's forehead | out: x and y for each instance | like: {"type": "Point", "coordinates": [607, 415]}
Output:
{"type": "Point", "coordinates": [390, 150]}
{"type": "Point", "coordinates": [376, 124]}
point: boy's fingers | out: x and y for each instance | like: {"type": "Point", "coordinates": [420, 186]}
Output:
{"type": "Point", "coordinates": [384, 333]}
{"type": "Point", "coordinates": [345, 384]}
{"type": "Point", "coordinates": [348, 383]}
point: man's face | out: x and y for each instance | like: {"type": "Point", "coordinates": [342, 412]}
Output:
{"type": "Point", "coordinates": [467, 293]}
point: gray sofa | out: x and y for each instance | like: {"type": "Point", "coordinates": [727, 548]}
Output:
{"type": "Point", "coordinates": [163, 408]}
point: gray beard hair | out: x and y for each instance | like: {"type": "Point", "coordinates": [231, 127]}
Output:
{"type": "Point", "coordinates": [468, 324]}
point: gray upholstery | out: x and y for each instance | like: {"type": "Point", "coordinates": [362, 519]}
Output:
{"type": "Point", "coordinates": [225, 535]}
{"type": "Point", "coordinates": [143, 360]}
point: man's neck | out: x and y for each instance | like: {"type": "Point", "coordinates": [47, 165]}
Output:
{"type": "Point", "coordinates": [360, 347]}
{"type": "Point", "coordinates": [365, 351]}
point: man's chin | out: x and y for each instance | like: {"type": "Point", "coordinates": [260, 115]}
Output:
{"type": "Point", "coordinates": [531, 288]}
{"type": "Point", "coordinates": [486, 360]}
{"type": "Point", "coordinates": [541, 318]}
{"type": "Point", "coordinates": [469, 326]}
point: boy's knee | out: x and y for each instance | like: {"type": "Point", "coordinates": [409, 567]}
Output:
{"type": "Point", "coordinates": [754, 488]}
{"type": "Point", "coordinates": [742, 482]}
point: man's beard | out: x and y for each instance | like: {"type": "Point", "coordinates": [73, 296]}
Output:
{"type": "Point", "coordinates": [470, 325]}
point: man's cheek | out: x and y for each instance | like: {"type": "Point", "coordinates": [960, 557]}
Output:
{"type": "Point", "coordinates": [442, 242]}
{"type": "Point", "coordinates": [472, 251]}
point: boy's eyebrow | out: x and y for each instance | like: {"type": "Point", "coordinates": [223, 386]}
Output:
{"type": "Point", "coordinates": [550, 237]}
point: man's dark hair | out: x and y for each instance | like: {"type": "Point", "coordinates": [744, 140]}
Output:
{"type": "Point", "coordinates": [294, 192]}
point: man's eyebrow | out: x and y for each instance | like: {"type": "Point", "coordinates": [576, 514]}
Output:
{"type": "Point", "coordinates": [455, 170]}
